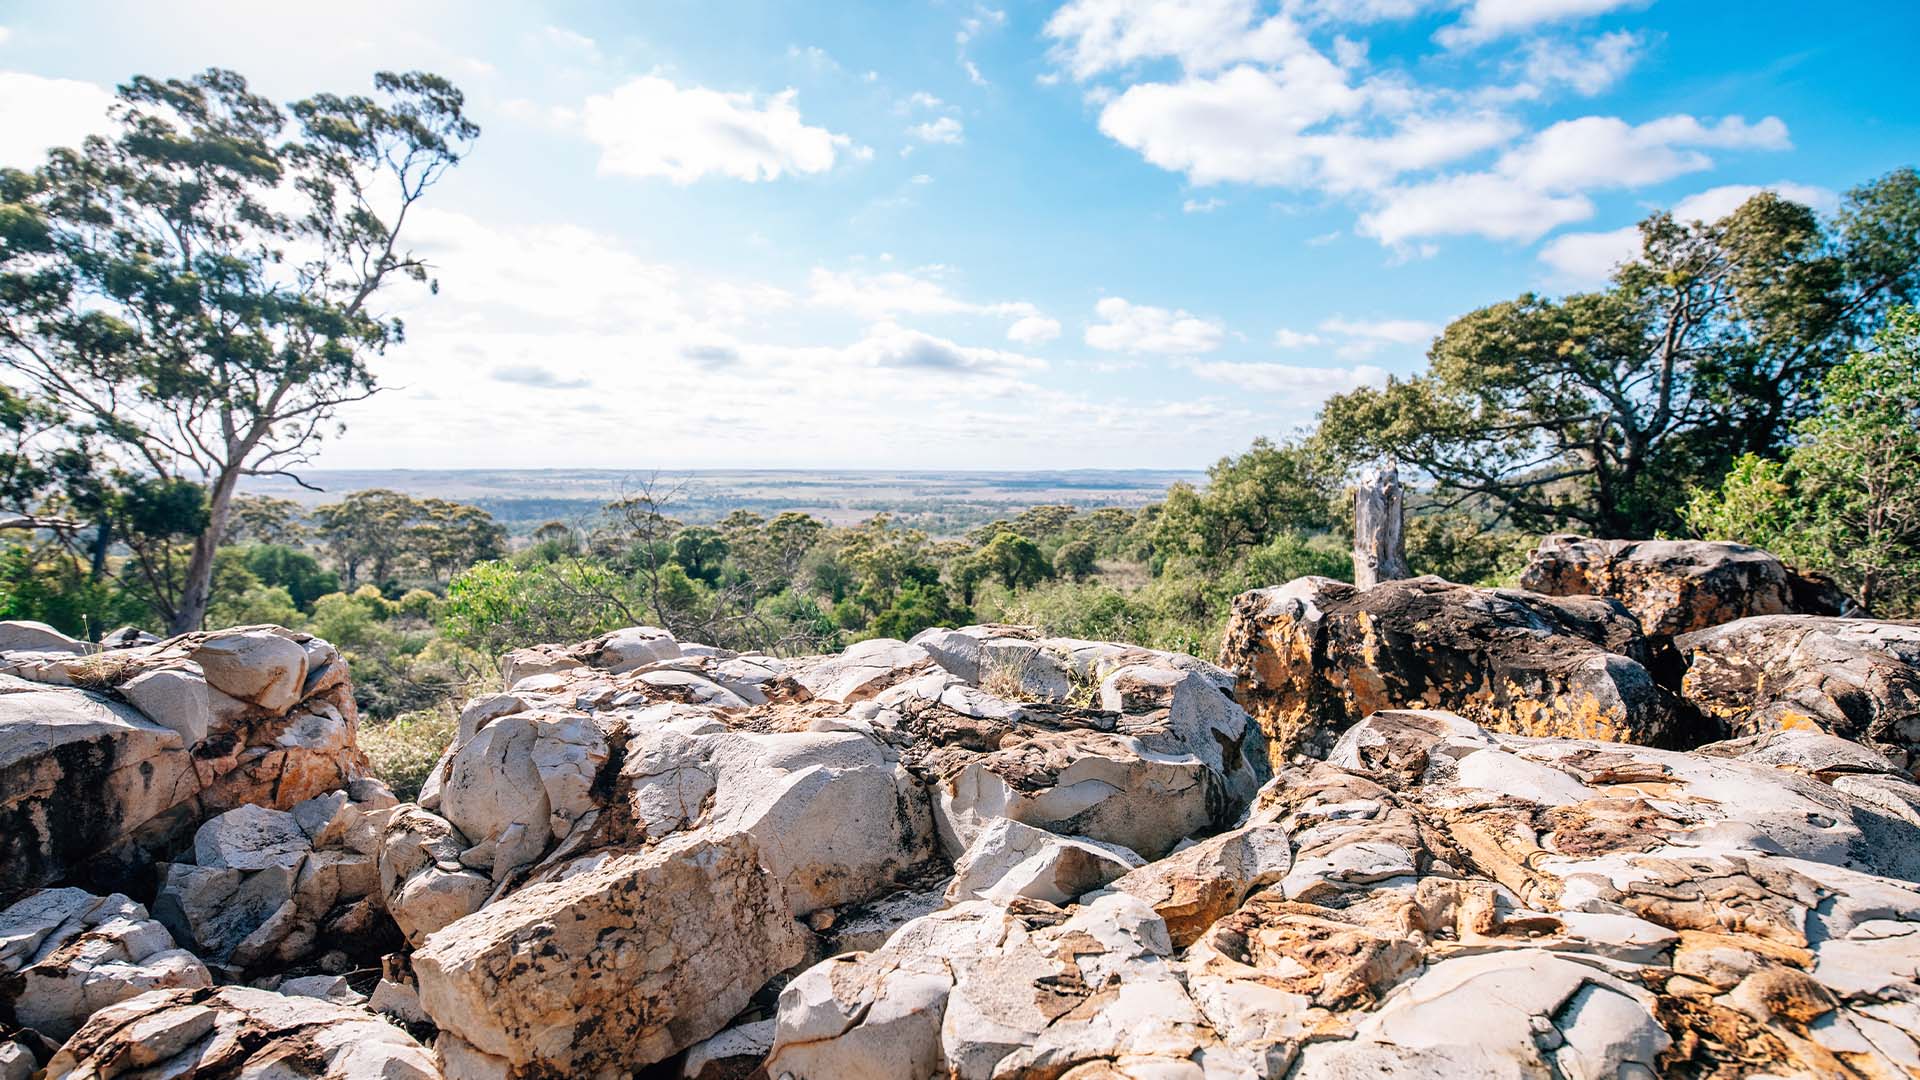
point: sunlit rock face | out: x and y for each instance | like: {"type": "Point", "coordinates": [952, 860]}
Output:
{"type": "Point", "coordinates": [109, 759]}
{"type": "Point", "coordinates": [1435, 846]}
{"type": "Point", "coordinates": [1316, 656]}
{"type": "Point", "coordinates": [727, 818]}
{"type": "Point", "coordinates": [1676, 586]}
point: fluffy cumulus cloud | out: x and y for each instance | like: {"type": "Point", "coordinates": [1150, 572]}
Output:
{"type": "Point", "coordinates": [651, 127]}
{"type": "Point", "coordinates": [1129, 327]}
{"type": "Point", "coordinates": [1233, 92]}
{"type": "Point", "coordinates": [538, 377]}
{"type": "Point", "coordinates": [43, 113]}
{"type": "Point", "coordinates": [887, 345]}
{"type": "Point", "coordinates": [1033, 330]}
{"type": "Point", "coordinates": [1352, 338]}
{"type": "Point", "coordinates": [1541, 184]}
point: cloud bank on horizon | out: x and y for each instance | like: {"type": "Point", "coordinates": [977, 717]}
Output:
{"type": "Point", "coordinates": [951, 234]}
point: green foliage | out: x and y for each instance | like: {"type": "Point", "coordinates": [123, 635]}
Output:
{"type": "Point", "coordinates": [1845, 499]}
{"type": "Point", "coordinates": [1075, 560]}
{"type": "Point", "coordinates": [914, 608]}
{"type": "Point", "coordinates": [191, 292]}
{"type": "Point", "coordinates": [1465, 548]}
{"type": "Point", "coordinates": [493, 606]}
{"type": "Point", "coordinates": [404, 750]}
{"type": "Point", "coordinates": [296, 572]}
{"type": "Point", "coordinates": [1595, 410]}
{"type": "Point", "coordinates": [1248, 500]}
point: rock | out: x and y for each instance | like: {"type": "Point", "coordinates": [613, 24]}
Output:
{"type": "Point", "coordinates": [251, 838]}
{"type": "Point", "coordinates": [1671, 586]}
{"type": "Point", "coordinates": [174, 698]}
{"type": "Point", "coordinates": [864, 670]}
{"type": "Point", "coordinates": [522, 664]}
{"type": "Point", "coordinates": [332, 988]}
{"type": "Point", "coordinates": [1197, 886]}
{"type": "Point", "coordinates": [26, 635]}
{"type": "Point", "coordinates": [421, 877]}
{"type": "Point", "coordinates": [108, 762]}
{"type": "Point", "coordinates": [65, 954]}
{"type": "Point", "coordinates": [633, 647]}
{"type": "Point", "coordinates": [1855, 678]}
{"type": "Point", "coordinates": [734, 1054]}
{"type": "Point", "coordinates": [638, 956]}
{"type": "Point", "coordinates": [1316, 655]}
{"type": "Point", "coordinates": [78, 775]}
{"type": "Point", "coordinates": [1009, 859]}
{"type": "Point", "coordinates": [1175, 711]}
{"type": "Point", "coordinates": [1110, 788]}
{"type": "Point", "coordinates": [956, 651]}
{"type": "Point", "coordinates": [255, 665]}
{"type": "Point", "coordinates": [238, 1031]}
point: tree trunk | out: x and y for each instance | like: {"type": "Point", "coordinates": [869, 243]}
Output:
{"type": "Point", "coordinates": [1379, 523]}
{"type": "Point", "coordinates": [198, 589]}
{"type": "Point", "coordinates": [102, 540]}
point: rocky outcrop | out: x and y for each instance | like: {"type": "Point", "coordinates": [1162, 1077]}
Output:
{"type": "Point", "coordinates": [65, 954]}
{"type": "Point", "coordinates": [111, 759]}
{"type": "Point", "coordinates": [1856, 678]}
{"type": "Point", "coordinates": [265, 889]}
{"type": "Point", "coordinates": [1458, 902]}
{"type": "Point", "coordinates": [1316, 656]}
{"type": "Point", "coordinates": [675, 826]}
{"type": "Point", "coordinates": [235, 1031]}
{"type": "Point", "coordinates": [1671, 586]}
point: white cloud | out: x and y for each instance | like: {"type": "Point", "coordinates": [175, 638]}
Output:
{"type": "Point", "coordinates": [1605, 151]}
{"type": "Point", "coordinates": [888, 345]}
{"type": "Point", "coordinates": [571, 40]}
{"type": "Point", "coordinates": [1473, 203]}
{"type": "Point", "coordinates": [1588, 70]}
{"type": "Point", "coordinates": [1588, 257]}
{"type": "Point", "coordinates": [1486, 20]}
{"type": "Point", "coordinates": [1034, 330]}
{"type": "Point", "coordinates": [1268, 378]}
{"type": "Point", "coordinates": [1542, 183]}
{"type": "Point", "coordinates": [6, 34]}
{"type": "Point", "coordinates": [899, 292]}
{"type": "Point", "coordinates": [1201, 206]}
{"type": "Point", "coordinates": [43, 113]}
{"type": "Point", "coordinates": [1296, 339]}
{"type": "Point", "coordinates": [650, 127]}
{"type": "Point", "coordinates": [538, 377]}
{"type": "Point", "coordinates": [1132, 327]}
{"type": "Point", "coordinates": [944, 130]}
{"type": "Point", "coordinates": [1382, 331]}
{"type": "Point", "coordinates": [1715, 203]}
{"type": "Point", "coordinates": [1095, 36]}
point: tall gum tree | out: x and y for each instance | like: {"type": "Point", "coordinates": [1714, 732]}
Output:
{"type": "Point", "coordinates": [196, 292]}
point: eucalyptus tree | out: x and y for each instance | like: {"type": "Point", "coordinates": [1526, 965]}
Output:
{"type": "Point", "coordinates": [197, 292]}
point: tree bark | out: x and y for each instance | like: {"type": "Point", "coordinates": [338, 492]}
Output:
{"type": "Point", "coordinates": [198, 589]}
{"type": "Point", "coordinates": [1379, 523]}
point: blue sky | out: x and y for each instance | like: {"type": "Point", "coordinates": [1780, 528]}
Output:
{"type": "Point", "coordinates": [954, 234]}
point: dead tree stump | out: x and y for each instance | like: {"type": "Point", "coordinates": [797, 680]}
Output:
{"type": "Point", "coordinates": [1379, 521]}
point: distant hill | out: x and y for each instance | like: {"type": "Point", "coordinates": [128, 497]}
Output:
{"type": "Point", "coordinates": [943, 503]}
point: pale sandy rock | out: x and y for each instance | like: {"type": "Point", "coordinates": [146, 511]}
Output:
{"type": "Point", "coordinates": [1082, 783]}
{"type": "Point", "coordinates": [731, 1055]}
{"type": "Point", "coordinates": [240, 1032]}
{"type": "Point", "coordinates": [522, 664]}
{"type": "Point", "coordinates": [421, 877]}
{"type": "Point", "coordinates": [257, 665]}
{"type": "Point", "coordinates": [862, 671]}
{"type": "Point", "coordinates": [251, 838]}
{"type": "Point", "coordinates": [1020, 669]}
{"type": "Point", "coordinates": [1009, 859]}
{"type": "Point", "coordinates": [27, 635]}
{"type": "Point", "coordinates": [956, 651]}
{"type": "Point", "coordinates": [174, 698]}
{"type": "Point", "coordinates": [634, 647]}
{"type": "Point", "coordinates": [65, 954]}
{"type": "Point", "coordinates": [332, 988]}
{"type": "Point", "coordinates": [1196, 886]}
{"type": "Point", "coordinates": [640, 956]}
{"type": "Point", "coordinates": [1172, 711]}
